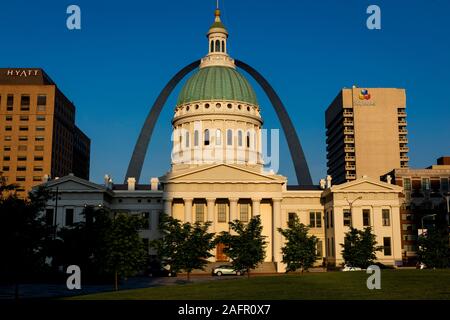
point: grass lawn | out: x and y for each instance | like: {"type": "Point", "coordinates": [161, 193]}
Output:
{"type": "Point", "coordinates": [395, 284]}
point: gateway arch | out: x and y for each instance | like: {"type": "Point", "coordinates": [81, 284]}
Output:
{"type": "Point", "coordinates": [298, 157]}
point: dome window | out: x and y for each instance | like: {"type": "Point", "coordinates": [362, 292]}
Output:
{"type": "Point", "coordinates": [248, 109]}
{"type": "Point", "coordinates": [223, 46]}
{"type": "Point", "coordinates": [196, 107]}
{"type": "Point", "coordinates": [229, 137]}
{"type": "Point", "coordinates": [188, 108]}
{"type": "Point", "coordinates": [240, 138]}
{"type": "Point", "coordinates": [196, 138]}
{"type": "Point", "coordinates": [218, 105]}
{"type": "Point", "coordinates": [248, 139]}
{"type": "Point", "coordinates": [218, 137]}
{"type": "Point", "coordinates": [239, 107]}
{"type": "Point", "coordinates": [207, 106]}
{"type": "Point", "coordinates": [230, 106]}
{"type": "Point", "coordinates": [212, 46]}
{"type": "Point", "coordinates": [187, 139]}
{"type": "Point", "coordinates": [206, 142]}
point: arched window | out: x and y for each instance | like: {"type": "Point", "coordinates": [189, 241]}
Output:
{"type": "Point", "coordinates": [212, 46]}
{"type": "Point", "coordinates": [218, 137]}
{"type": "Point", "coordinates": [217, 46]}
{"type": "Point", "coordinates": [187, 139]}
{"type": "Point", "coordinates": [223, 46]}
{"type": "Point", "coordinates": [248, 139]}
{"type": "Point", "coordinates": [207, 137]}
{"type": "Point", "coordinates": [240, 138]}
{"type": "Point", "coordinates": [229, 137]}
{"type": "Point", "coordinates": [196, 138]}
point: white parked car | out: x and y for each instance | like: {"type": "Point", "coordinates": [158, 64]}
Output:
{"type": "Point", "coordinates": [226, 270]}
{"type": "Point", "coordinates": [350, 268]}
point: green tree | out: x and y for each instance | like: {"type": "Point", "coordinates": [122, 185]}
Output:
{"type": "Point", "coordinates": [299, 251]}
{"type": "Point", "coordinates": [184, 246]}
{"type": "Point", "coordinates": [245, 248]}
{"type": "Point", "coordinates": [124, 253]}
{"type": "Point", "coordinates": [23, 234]}
{"type": "Point", "coordinates": [434, 248]}
{"type": "Point", "coordinates": [83, 243]}
{"type": "Point", "coordinates": [359, 247]}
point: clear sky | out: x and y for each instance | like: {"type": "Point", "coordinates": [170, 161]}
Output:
{"type": "Point", "coordinates": [115, 66]}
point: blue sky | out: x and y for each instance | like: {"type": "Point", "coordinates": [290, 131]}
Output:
{"type": "Point", "coordinates": [115, 66]}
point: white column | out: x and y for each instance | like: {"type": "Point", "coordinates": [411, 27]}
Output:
{"type": "Point", "coordinates": [276, 236]}
{"type": "Point", "coordinates": [256, 206]}
{"type": "Point", "coordinates": [188, 210]}
{"type": "Point", "coordinates": [168, 206]}
{"type": "Point", "coordinates": [210, 204]}
{"type": "Point", "coordinates": [233, 209]}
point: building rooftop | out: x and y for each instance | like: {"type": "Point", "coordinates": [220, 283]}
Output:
{"type": "Point", "coordinates": [24, 76]}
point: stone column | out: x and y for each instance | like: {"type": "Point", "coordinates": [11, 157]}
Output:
{"type": "Point", "coordinates": [233, 209]}
{"type": "Point", "coordinates": [256, 205]}
{"type": "Point", "coordinates": [276, 236]}
{"type": "Point", "coordinates": [188, 210]}
{"type": "Point", "coordinates": [210, 205]}
{"type": "Point", "coordinates": [168, 206]}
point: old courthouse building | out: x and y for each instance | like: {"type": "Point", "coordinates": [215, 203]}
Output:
{"type": "Point", "coordinates": [217, 174]}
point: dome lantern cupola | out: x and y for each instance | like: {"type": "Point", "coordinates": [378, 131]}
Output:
{"type": "Point", "coordinates": [217, 45]}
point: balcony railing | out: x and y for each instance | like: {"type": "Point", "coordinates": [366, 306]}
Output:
{"type": "Point", "coordinates": [349, 140]}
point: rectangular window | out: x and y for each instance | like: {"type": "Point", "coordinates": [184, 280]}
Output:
{"type": "Point", "coordinates": [37, 179]}
{"type": "Point", "coordinates": [327, 219]}
{"type": "Point", "coordinates": [39, 138]}
{"type": "Point", "coordinates": [333, 250]}
{"type": "Point", "coordinates": [426, 184]}
{"type": "Point", "coordinates": [8, 128]}
{"type": "Point", "coordinates": [23, 138]}
{"type": "Point", "coordinates": [331, 219]}
{"type": "Point", "coordinates": [366, 217]}
{"type": "Point", "coordinates": [9, 102]}
{"type": "Point", "coordinates": [386, 214]}
{"type": "Point", "coordinates": [8, 118]}
{"type": "Point", "coordinates": [42, 100]}
{"type": "Point", "coordinates": [291, 218]}
{"type": "Point", "coordinates": [69, 217]}
{"type": "Point", "coordinates": [387, 246]}
{"type": "Point", "coordinates": [25, 102]}
{"type": "Point", "coordinates": [199, 212]}
{"type": "Point", "coordinates": [244, 212]}
{"type": "Point", "coordinates": [21, 158]}
{"type": "Point", "coordinates": [222, 212]}
{"type": "Point", "coordinates": [20, 178]}
{"type": "Point", "coordinates": [38, 158]}
{"type": "Point", "coordinates": [6, 148]}
{"type": "Point", "coordinates": [315, 220]}
{"type": "Point", "coordinates": [21, 168]}
{"type": "Point", "coordinates": [40, 118]}
{"type": "Point", "coordinates": [23, 128]}
{"type": "Point", "coordinates": [24, 118]}
{"type": "Point", "coordinates": [5, 168]}
{"type": "Point", "coordinates": [49, 217]}
{"type": "Point", "coordinates": [319, 251]}
{"type": "Point", "coordinates": [22, 148]}
{"type": "Point", "coordinates": [6, 158]}
{"type": "Point", "coordinates": [407, 184]}
{"type": "Point", "coordinates": [444, 184]}
{"type": "Point", "coordinates": [38, 148]}
{"type": "Point", "coordinates": [8, 138]}
{"type": "Point", "coordinates": [347, 218]}
{"type": "Point", "coordinates": [38, 169]}
{"type": "Point", "coordinates": [146, 217]}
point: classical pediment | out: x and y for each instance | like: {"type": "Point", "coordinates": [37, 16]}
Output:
{"type": "Point", "coordinates": [222, 173]}
{"type": "Point", "coordinates": [72, 183]}
{"type": "Point", "coordinates": [366, 185]}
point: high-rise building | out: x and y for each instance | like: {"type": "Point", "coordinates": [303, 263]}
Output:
{"type": "Point", "coordinates": [38, 132]}
{"type": "Point", "coordinates": [366, 133]}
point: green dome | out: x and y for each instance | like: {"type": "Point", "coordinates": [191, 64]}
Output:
{"type": "Point", "coordinates": [217, 83]}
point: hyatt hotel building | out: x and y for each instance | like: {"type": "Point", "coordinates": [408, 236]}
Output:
{"type": "Point", "coordinates": [38, 135]}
